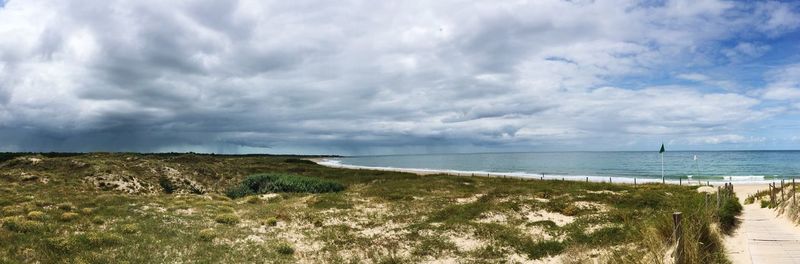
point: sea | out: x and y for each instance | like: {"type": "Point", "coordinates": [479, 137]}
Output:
{"type": "Point", "coordinates": [696, 167]}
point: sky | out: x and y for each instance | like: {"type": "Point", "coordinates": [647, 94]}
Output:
{"type": "Point", "coordinates": [391, 77]}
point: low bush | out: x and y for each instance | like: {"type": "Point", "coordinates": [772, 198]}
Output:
{"type": "Point", "coordinates": [207, 234]}
{"type": "Point", "coordinates": [228, 219]}
{"type": "Point", "coordinates": [36, 215]}
{"type": "Point", "coordinates": [267, 183]}
{"type": "Point", "coordinates": [727, 213]}
{"type": "Point", "coordinates": [69, 216]}
{"type": "Point", "coordinates": [65, 206]}
{"type": "Point", "coordinates": [21, 225]}
{"type": "Point", "coordinates": [284, 249]}
{"type": "Point", "coordinates": [166, 185]}
{"type": "Point", "coordinates": [86, 241]}
{"type": "Point", "coordinates": [129, 229]}
{"type": "Point", "coordinates": [239, 191]}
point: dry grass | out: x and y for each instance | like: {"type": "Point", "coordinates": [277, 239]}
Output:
{"type": "Point", "coordinates": [384, 217]}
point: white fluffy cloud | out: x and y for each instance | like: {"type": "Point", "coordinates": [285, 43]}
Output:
{"type": "Point", "coordinates": [353, 75]}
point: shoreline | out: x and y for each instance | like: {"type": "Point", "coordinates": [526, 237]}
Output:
{"type": "Point", "coordinates": [528, 176]}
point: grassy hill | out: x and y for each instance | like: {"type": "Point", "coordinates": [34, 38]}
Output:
{"type": "Point", "coordinates": [139, 208]}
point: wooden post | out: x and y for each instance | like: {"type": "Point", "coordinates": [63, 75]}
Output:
{"type": "Point", "coordinates": [719, 199]}
{"type": "Point", "coordinates": [772, 194]}
{"type": "Point", "coordinates": [680, 181]}
{"type": "Point", "coordinates": [587, 179]}
{"type": "Point", "coordinates": [609, 179]}
{"type": "Point", "coordinates": [677, 235]}
{"type": "Point", "coordinates": [708, 183]}
{"type": "Point", "coordinates": [634, 182]}
{"type": "Point", "coordinates": [782, 193]}
{"type": "Point", "coordinates": [794, 197]}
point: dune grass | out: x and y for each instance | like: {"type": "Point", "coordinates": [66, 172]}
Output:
{"type": "Point", "coordinates": [275, 182]}
{"type": "Point", "coordinates": [324, 215]}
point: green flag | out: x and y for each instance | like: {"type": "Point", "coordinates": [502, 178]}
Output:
{"type": "Point", "coordinates": [662, 148]}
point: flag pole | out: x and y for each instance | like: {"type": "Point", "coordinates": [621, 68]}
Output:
{"type": "Point", "coordinates": [661, 151]}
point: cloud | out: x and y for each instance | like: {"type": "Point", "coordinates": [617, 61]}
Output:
{"type": "Point", "coordinates": [725, 139]}
{"type": "Point", "coordinates": [784, 83]}
{"type": "Point", "coordinates": [745, 50]}
{"type": "Point", "coordinates": [366, 77]}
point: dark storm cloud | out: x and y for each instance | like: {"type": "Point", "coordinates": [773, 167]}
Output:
{"type": "Point", "coordinates": [361, 77]}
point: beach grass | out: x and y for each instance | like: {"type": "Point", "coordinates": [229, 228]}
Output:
{"type": "Point", "coordinates": [101, 208]}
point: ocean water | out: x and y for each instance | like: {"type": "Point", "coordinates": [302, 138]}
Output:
{"type": "Point", "coordinates": [714, 166]}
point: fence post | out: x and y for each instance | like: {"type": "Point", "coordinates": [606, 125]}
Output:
{"type": "Point", "coordinates": [634, 182]}
{"type": "Point", "coordinates": [719, 199]}
{"type": "Point", "coordinates": [771, 195]}
{"type": "Point", "coordinates": [677, 234]}
{"type": "Point", "coordinates": [609, 179]}
{"type": "Point", "coordinates": [680, 181]}
{"type": "Point", "coordinates": [782, 195]}
{"type": "Point", "coordinates": [794, 196]}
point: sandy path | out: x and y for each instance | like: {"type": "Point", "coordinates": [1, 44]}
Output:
{"type": "Point", "coordinates": [763, 236]}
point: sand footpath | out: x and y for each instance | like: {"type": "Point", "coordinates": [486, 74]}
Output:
{"type": "Point", "coordinates": [763, 236]}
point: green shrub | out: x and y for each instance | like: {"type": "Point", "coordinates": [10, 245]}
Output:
{"type": "Point", "coordinates": [13, 210]}
{"type": "Point", "coordinates": [727, 213]}
{"type": "Point", "coordinates": [69, 216]}
{"type": "Point", "coordinates": [272, 221]}
{"type": "Point", "coordinates": [765, 204]}
{"type": "Point", "coordinates": [229, 219]}
{"type": "Point", "coordinates": [65, 206]}
{"type": "Point", "coordinates": [253, 200]}
{"type": "Point", "coordinates": [544, 249]}
{"type": "Point", "coordinates": [129, 229]}
{"type": "Point", "coordinates": [207, 234]}
{"type": "Point", "coordinates": [570, 210]}
{"type": "Point", "coordinates": [84, 241]}
{"type": "Point", "coordinates": [36, 215]}
{"type": "Point", "coordinates": [22, 225]}
{"type": "Point", "coordinates": [166, 185]}
{"type": "Point", "coordinates": [284, 249]}
{"type": "Point", "coordinates": [239, 191]}
{"type": "Point", "coordinates": [268, 183]}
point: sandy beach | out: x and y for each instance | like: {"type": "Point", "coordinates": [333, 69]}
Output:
{"type": "Point", "coordinates": [527, 176]}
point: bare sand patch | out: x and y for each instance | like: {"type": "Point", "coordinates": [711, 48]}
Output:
{"type": "Point", "coordinates": [707, 189]}
{"type": "Point", "coordinates": [465, 243]}
{"type": "Point", "coordinates": [493, 217]}
{"type": "Point", "coordinates": [543, 215]}
{"type": "Point", "coordinates": [123, 183]}
{"type": "Point", "coordinates": [587, 205]}
{"type": "Point", "coordinates": [470, 199]}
